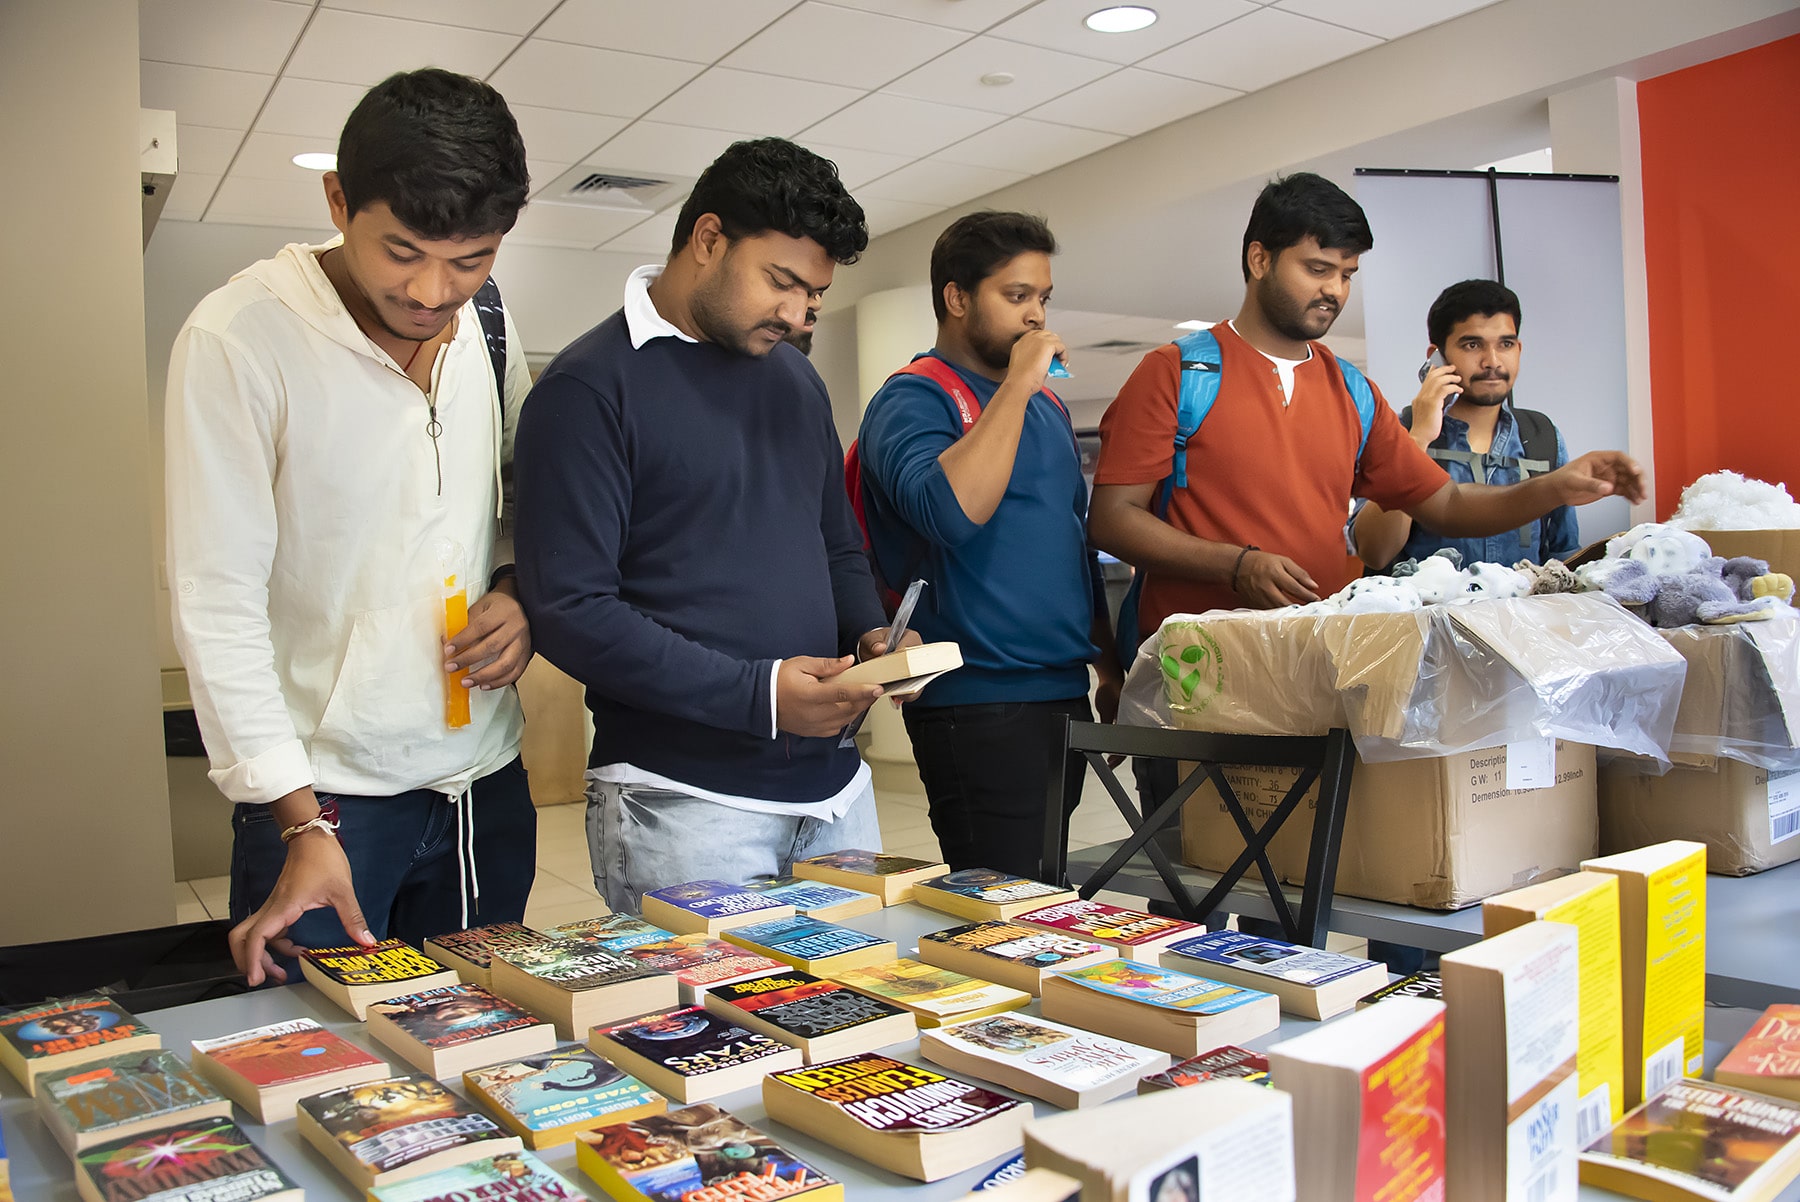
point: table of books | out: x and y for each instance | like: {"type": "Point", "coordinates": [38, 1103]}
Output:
{"type": "Point", "coordinates": [41, 1171]}
{"type": "Point", "coordinates": [1752, 939]}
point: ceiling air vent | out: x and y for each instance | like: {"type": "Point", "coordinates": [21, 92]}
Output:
{"type": "Point", "coordinates": [1121, 346]}
{"type": "Point", "coordinates": [589, 187]}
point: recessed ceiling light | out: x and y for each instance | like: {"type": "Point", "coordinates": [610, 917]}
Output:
{"type": "Point", "coordinates": [997, 79]}
{"type": "Point", "coordinates": [316, 160]}
{"type": "Point", "coordinates": [1121, 18]}
{"type": "Point", "coordinates": [1194, 324]}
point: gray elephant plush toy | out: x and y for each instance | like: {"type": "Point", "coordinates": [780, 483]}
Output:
{"type": "Point", "coordinates": [1714, 591]}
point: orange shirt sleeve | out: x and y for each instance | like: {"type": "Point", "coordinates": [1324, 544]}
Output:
{"type": "Point", "coordinates": [1394, 473]}
{"type": "Point", "coordinates": [1137, 434]}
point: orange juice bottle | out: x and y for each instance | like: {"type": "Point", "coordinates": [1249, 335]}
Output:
{"type": "Point", "coordinates": [456, 617]}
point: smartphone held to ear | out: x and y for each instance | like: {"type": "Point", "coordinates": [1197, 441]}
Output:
{"type": "Point", "coordinates": [1437, 360]}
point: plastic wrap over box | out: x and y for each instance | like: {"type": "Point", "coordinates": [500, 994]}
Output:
{"type": "Point", "coordinates": [1741, 700]}
{"type": "Point", "coordinates": [1438, 681]}
{"type": "Point", "coordinates": [1748, 817]}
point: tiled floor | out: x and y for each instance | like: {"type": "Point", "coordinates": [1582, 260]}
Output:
{"type": "Point", "coordinates": [564, 890]}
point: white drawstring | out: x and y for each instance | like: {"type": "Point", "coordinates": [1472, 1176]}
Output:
{"type": "Point", "coordinates": [466, 876]}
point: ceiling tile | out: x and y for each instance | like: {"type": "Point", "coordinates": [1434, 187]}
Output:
{"type": "Point", "coordinates": [1133, 101]}
{"type": "Point", "coordinates": [1061, 25]}
{"type": "Point", "coordinates": [543, 173]}
{"type": "Point", "coordinates": [1383, 18]}
{"type": "Point", "coordinates": [562, 136]}
{"type": "Point", "coordinates": [898, 125]}
{"type": "Point", "coordinates": [698, 31]}
{"type": "Point", "coordinates": [858, 167]}
{"type": "Point", "coordinates": [1038, 75]}
{"type": "Point", "coordinates": [585, 79]}
{"type": "Point", "coordinates": [544, 224]}
{"type": "Point", "coordinates": [346, 47]}
{"type": "Point", "coordinates": [1026, 145]}
{"type": "Point", "coordinates": [650, 238]}
{"type": "Point", "coordinates": [514, 16]}
{"type": "Point", "coordinates": [203, 150]}
{"type": "Point", "coordinates": [270, 157]}
{"type": "Point", "coordinates": [241, 201]}
{"type": "Point", "coordinates": [187, 199]}
{"type": "Point", "coordinates": [886, 216]}
{"type": "Point", "coordinates": [809, 43]}
{"type": "Point", "coordinates": [656, 147]}
{"type": "Point", "coordinates": [241, 35]}
{"type": "Point", "coordinates": [750, 103]}
{"type": "Point", "coordinates": [1263, 48]}
{"type": "Point", "coordinates": [971, 15]}
{"type": "Point", "coordinates": [309, 107]}
{"type": "Point", "coordinates": [931, 181]}
{"type": "Point", "coordinates": [203, 95]}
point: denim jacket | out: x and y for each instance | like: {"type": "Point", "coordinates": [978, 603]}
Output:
{"type": "Point", "coordinates": [1553, 536]}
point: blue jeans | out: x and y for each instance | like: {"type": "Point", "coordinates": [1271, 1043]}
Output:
{"type": "Point", "coordinates": [642, 838]}
{"type": "Point", "coordinates": [406, 861]}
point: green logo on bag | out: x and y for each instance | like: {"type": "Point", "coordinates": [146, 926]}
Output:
{"type": "Point", "coordinates": [1193, 674]}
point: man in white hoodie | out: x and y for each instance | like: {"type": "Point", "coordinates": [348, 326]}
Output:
{"type": "Point", "coordinates": [337, 431]}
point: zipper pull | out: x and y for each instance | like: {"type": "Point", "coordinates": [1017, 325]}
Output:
{"type": "Point", "coordinates": [433, 427]}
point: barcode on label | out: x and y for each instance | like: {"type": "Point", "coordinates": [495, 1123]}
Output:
{"type": "Point", "coordinates": [1662, 1069]}
{"type": "Point", "coordinates": [1542, 1187]}
{"type": "Point", "coordinates": [1784, 805]}
{"type": "Point", "coordinates": [1593, 1115]}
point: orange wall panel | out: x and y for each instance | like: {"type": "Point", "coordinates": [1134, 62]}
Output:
{"type": "Point", "coordinates": [1721, 164]}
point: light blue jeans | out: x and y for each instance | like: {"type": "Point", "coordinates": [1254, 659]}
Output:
{"type": "Point", "coordinates": [642, 838]}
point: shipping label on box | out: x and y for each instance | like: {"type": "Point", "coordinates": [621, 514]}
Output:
{"type": "Point", "coordinates": [1747, 817]}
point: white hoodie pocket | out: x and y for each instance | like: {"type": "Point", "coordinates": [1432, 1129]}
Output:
{"type": "Point", "coordinates": [383, 727]}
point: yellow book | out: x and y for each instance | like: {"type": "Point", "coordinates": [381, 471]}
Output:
{"type": "Point", "coordinates": [1662, 944]}
{"type": "Point", "coordinates": [1589, 902]}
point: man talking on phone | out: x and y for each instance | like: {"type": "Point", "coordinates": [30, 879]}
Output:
{"type": "Point", "coordinates": [1464, 418]}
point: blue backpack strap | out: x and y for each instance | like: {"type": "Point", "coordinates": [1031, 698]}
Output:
{"type": "Point", "coordinates": [1199, 388]}
{"type": "Point", "coordinates": [1364, 398]}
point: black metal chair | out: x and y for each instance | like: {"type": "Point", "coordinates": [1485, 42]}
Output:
{"type": "Point", "coordinates": [1326, 759]}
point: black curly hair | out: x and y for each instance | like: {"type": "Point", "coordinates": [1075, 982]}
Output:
{"type": "Point", "coordinates": [441, 149]}
{"type": "Point", "coordinates": [1459, 302]}
{"type": "Point", "coordinates": [773, 184]}
{"type": "Point", "coordinates": [976, 245]}
{"type": "Point", "coordinates": [1302, 205]}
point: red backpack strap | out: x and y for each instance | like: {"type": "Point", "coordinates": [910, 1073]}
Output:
{"type": "Point", "coordinates": [945, 377]}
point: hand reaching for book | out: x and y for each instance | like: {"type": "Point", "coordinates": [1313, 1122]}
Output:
{"type": "Point", "coordinates": [316, 875]}
{"type": "Point", "coordinates": [809, 702]}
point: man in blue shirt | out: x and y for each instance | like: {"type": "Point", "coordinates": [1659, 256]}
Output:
{"type": "Point", "coordinates": [973, 481]}
{"type": "Point", "coordinates": [1464, 417]}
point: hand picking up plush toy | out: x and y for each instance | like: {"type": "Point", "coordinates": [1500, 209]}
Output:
{"type": "Point", "coordinates": [1672, 578]}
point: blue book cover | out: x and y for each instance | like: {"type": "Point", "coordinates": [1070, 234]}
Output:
{"type": "Point", "coordinates": [1006, 1174]}
{"type": "Point", "coordinates": [1269, 957]}
{"type": "Point", "coordinates": [804, 938]}
{"type": "Point", "coordinates": [714, 899]}
{"type": "Point", "coordinates": [566, 1085]}
{"type": "Point", "coordinates": [807, 896]}
{"type": "Point", "coordinates": [990, 885]}
{"type": "Point", "coordinates": [614, 932]}
{"type": "Point", "coordinates": [1162, 987]}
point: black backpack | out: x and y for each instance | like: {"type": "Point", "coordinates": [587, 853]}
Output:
{"type": "Point", "coordinates": [1536, 431]}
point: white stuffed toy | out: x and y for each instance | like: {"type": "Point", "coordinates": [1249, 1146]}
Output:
{"type": "Point", "coordinates": [1491, 581]}
{"type": "Point", "coordinates": [1379, 595]}
{"type": "Point", "coordinates": [1439, 580]}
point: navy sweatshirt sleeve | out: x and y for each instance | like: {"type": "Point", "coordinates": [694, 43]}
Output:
{"type": "Point", "coordinates": [852, 584]}
{"type": "Point", "coordinates": [574, 510]}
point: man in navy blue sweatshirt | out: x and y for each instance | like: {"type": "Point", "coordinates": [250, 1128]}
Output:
{"type": "Point", "coordinates": [973, 481]}
{"type": "Point", "coordinates": [686, 544]}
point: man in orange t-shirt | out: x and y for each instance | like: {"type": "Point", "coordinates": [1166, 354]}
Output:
{"type": "Point", "coordinates": [1273, 468]}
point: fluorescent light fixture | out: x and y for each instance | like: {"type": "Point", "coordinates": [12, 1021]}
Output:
{"type": "Point", "coordinates": [1194, 324]}
{"type": "Point", "coordinates": [1121, 18]}
{"type": "Point", "coordinates": [316, 160]}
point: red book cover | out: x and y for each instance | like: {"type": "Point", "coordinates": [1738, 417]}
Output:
{"type": "Point", "coordinates": [282, 1053]}
{"type": "Point", "coordinates": [1111, 924]}
{"type": "Point", "coordinates": [1770, 1049]}
{"type": "Point", "coordinates": [1400, 1153]}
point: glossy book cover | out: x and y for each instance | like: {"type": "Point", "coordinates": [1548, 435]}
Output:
{"type": "Point", "coordinates": [701, 1152]}
{"type": "Point", "coordinates": [803, 1005]}
{"type": "Point", "coordinates": [1070, 1056]}
{"type": "Point", "coordinates": [456, 1014]}
{"type": "Point", "coordinates": [1020, 945]}
{"type": "Point", "coordinates": [124, 1089]}
{"type": "Point", "coordinates": [208, 1161]}
{"type": "Point", "coordinates": [575, 965]}
{"type": "Point", "coordinates": [805, 938]}
{"type": "Point", "coordinates": [1701, 1132]}
{"type": "Point", "coordinates": [989, 885]}
{"type": "Point", "coordinates": [614, 932]}
{"type": "Point", "coordinates": [888, 1095]}
{"type": "Point", "coordinates": [873, 863]}
{"type": "Point", "coordinates": [508, 1177]}
{"type": "Point", "coordinates": [480, 945]}
{"type": "Point", "coordinates": [714, 899]}
{"type": "Point", "coordinates": [283, 1053]}
{"type": "Point", "coordinates": [389, 961]}
{"type": "Point", "coordinates": [1227, 1063]}
{"type": "Point", "coordinates": [1112, 924]}
{"type": "Point", "coordinates": [700, 959]}
{"type": "Point", "coordinates": [693, 1042]}
{"type": "Point", "coordinates": [805, 896]}
{"type": "Point", "coordinates": [935, 991]}
{"type": "Point", "coordinates": [1162, 987]}
{"type": "Point", "coordinates": [67, 1025]}
{"type": "Point", "coordinates": [388, 1124]}
{"type": "Point", "coordinates": [569, 1085]}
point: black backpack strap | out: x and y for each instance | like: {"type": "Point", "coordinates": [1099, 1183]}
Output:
{"type": "Point", "coordinates": [493, 327]}
{"type": "Point", "coordinates": [1538, 434]}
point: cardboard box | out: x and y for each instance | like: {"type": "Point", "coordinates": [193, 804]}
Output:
{"type": "Point", "coordinates": [1440, 832]}
{"type": "Point", "coordinates": [1780, 547]}
{"type": "Point", "coordinates": [1742, 693]}
{"type": "Point", "coordinates": [1748, 817]}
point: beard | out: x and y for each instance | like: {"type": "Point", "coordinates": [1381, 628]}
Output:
{"type": "Point", "coordinates": [1485, 401]}
{"type": "Point", "coordinates": [1301, 322]}
{"type": "Point", "coordinates": [991, 346]}
{"type": "Point", "coordinates": [717, 318]}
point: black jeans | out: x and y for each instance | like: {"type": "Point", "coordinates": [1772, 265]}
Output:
{"type": "Point", "coordinates": [987, 771]}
